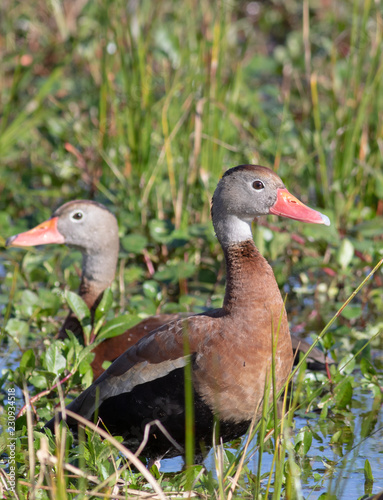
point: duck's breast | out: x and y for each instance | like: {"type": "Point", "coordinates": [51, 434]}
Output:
{"type": "Point", "coordinates": [231, 367]}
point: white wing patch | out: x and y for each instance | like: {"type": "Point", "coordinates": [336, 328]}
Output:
{"type": "Point", "coordinates": [138, 374]}
{"type": "Point", "coordinates": [142, 373]}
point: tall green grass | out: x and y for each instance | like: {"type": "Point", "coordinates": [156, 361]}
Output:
{"type": "Point", "coordinates": [147, 105]}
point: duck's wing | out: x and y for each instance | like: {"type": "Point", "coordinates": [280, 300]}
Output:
{"type": "Point", "coordinates": [153, 357]}
{"type": "Point", "coordinates": [111, 348]}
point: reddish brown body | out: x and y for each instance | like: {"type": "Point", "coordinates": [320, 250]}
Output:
{"type": "Point", "coordinates": [235, 349]}
{"type": "Point", "coordinates": [111, 349]}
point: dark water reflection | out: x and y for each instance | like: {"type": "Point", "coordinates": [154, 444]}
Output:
{"type": "Point", "coordinates": [346, 478]}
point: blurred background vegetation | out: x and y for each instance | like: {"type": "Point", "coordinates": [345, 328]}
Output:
{"type": "Point", "coordinates": [143, 105]}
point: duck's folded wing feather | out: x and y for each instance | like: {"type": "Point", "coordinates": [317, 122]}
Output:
{"type": "Point", "coordinates": [153, 357]}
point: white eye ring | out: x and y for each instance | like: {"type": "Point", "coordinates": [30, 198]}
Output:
{"type": "Point", "coordinates": [77, 216]}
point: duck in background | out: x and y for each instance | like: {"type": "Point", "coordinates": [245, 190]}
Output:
{"type": "Point", "coordinates": [92, 229]}
{"type": "Point", "coordinates": [230, 348]}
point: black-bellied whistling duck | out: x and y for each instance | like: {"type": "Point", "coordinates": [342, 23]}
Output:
{"type": "Point", "coordinates": [230, 348]}
{"type": "Point", "coordinates": [92, 228]}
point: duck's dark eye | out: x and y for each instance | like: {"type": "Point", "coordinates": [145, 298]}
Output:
{"type": "Point", "coordinates": [77, 216]}
{"type": "Point", "coordinates": [258, 185]}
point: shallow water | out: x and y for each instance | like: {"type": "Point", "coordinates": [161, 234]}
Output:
{"type": "Point", "coordinates": [10, 360]}
{"type": "Point", "coordinates": [348, 478]}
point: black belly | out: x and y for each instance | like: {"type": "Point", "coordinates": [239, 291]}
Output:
{"type": "Point", "coordinates": [163, 399]}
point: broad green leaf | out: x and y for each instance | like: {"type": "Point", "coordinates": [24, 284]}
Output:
{"type": "Point", "coordinates": [33, 261]}
{"type": "Point", "coordinates": [133, 273]}
{"type": "Point", "coordinates": [364, 347]}
{"type": "Point", "coordinates": [54, 360]}
{"type": "Point", "coordinates": [186, 269]}
{"type": "Point", "coordinates": [303, 440]}
{"type": "Point", "coordinates": [155, 472]}
{"type": "Point", "coordinates": [352, 311]}
{"type": "Point", "coordinates": [28, 362]}
{"type": "Point", "coordinates": [175, 271]}
{"type": "Point", "coordinates": [178, 238]}
{"type": "Point", "coordinates": [77, 305]}
{"type": "Point", "coordinates": [17, 328]}
{"type": "Point", "coordinates": [105, 365]}
{"type": "Point", "coordinates": [117, 326]}
{"type": "Point", "coordinates": [307, 440]}
{"type": "Point", "coordinates": [336, 437]}
{"type": "Point", "coordinates": [104, 305]}
{"type": "Point", "coordinates": [80, 352]}
{"type": "Point", "coordinates": [347, 364]}
{"type": "Point", "coordinates": [29, 298]}
{"type": "Point", "coordinates": [327, 341]}
{"type": "Point", "coordinates": [86, 354]}
{"type": "Point", "coordinates": [343, 394]}
{"type": "Point", "coordinates": [134, 243]}
{"type": "Point", "coordinates": [71, 258]}
{"type": "Point", "coordinates": [160, 230]}
{"type": "Point", "coordinates": [199, 230]}
{"type": "Point", "coordinates": [74, 347]}
{"type": "Point", "coordinates": [345, 253]}
{"type": "Point", "coordinates": [38, 381]}
{"type": "Point", "coordinates": [49, 300]}
{"type": "Point", "coordinates": [151, 289]}
{"type": "Point", "coordinates": [86, 371]}
{"type": "Point", "coordinates": [367, 368]}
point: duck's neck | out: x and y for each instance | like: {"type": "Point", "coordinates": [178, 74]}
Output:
{"type": "Point", "coordinates": [98, 270]}
{"type": "Point", "coordinates": [250, 280]}
{"type": "Point", "coordinates": [230, 230]}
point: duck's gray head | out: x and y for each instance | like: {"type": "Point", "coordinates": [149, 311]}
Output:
{"type": "Point", "coordinates": [82, 224]}
{"type": "Point", "coordinates": [248, 191]}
